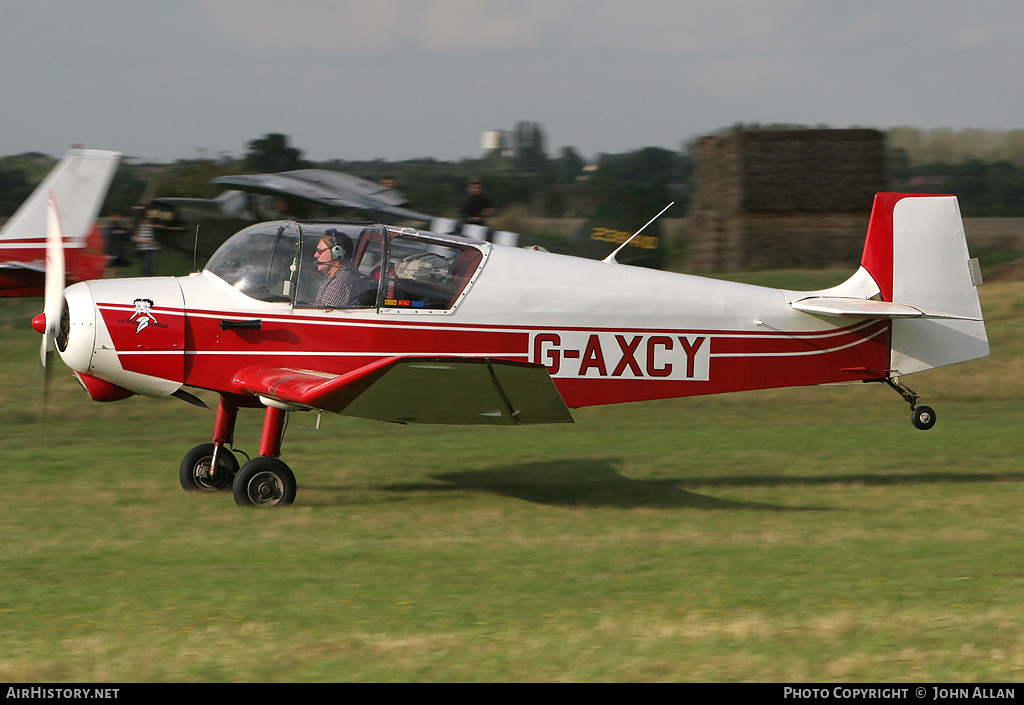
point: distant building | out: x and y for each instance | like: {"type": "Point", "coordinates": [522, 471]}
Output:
{"type": "Point", "coordinates": [496, 140]}
{"type": "Point", "coordinates": [524, 145]}
{"type": "Point", "coordinates": [784, 198]}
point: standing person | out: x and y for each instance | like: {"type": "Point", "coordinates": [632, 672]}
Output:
{"type": "Point", "coordinates": [146, 245]}
{"type": "Point", "coordinates": [116, 239]}
{"type": "Point", "coordinates": [476, 207]}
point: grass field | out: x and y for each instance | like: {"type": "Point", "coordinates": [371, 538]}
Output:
{"type": "Point", "coordinates": [797, 535]}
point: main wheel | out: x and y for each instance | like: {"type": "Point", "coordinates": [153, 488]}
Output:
{"type": "Point", "coordinates": [923, 417]}
{"type": "Point", "coordinates": [197, 473]}
{"type": "Point", "coordinates": [264, 482]}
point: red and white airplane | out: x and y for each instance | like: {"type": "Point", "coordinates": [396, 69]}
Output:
{"type": "Point", "coordinates": [79, 183]}
{"type": "Point", "coordinates": [446, 330]}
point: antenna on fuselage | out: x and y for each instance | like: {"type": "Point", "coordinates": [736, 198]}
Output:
{"type": "Point", "coordinates": [195, 248]}
{"type": "Point", "coordinates": [611, 258]}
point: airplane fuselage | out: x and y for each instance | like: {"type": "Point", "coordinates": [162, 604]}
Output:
{"type": "Point", "coordinates": [605, 333]}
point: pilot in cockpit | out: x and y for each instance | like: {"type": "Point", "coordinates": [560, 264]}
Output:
{"type": "Point", "coordinates": [343, 286]}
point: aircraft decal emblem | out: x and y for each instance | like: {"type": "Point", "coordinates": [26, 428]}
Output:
{"type": "Point", "coordinates": [143, 315]}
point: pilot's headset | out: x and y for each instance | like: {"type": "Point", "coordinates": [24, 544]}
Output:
{"type": "Point", "coordinates": [341, 244]}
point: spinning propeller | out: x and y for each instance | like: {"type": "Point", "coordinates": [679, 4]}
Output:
{"type": "Point", "coordinates": [49, 322]}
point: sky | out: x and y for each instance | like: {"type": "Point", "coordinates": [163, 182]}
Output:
{"type": "Point", "coordinates": [407, 79]}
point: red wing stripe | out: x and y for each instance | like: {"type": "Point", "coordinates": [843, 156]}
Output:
{"type": "Point", "coordinates": [318, 390]}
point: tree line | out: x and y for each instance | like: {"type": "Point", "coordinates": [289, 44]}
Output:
{"type": "Point", "coordinates": [985, 169]}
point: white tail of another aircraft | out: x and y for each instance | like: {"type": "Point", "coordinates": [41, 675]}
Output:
{"type": "Point", "coordinates": [78, 185]}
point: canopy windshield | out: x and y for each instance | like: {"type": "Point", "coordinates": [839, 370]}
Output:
{"type": "Point", "coordinates": [258, 261]}
{"type": "Point", "coordinates": [329, 265]}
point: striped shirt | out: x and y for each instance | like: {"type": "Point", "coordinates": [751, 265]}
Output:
{"type": "Point", "coordinates": [343, 289]}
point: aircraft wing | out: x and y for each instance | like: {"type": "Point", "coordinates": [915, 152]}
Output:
{"type": "Point", "coordinates": [868, 308]}
{"type": "Point", "coordinates": [330, 188]}
{"type": "Point", "coordinates": [420, 390]}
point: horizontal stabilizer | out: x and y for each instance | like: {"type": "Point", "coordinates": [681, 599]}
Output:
{"type": "Point", "coordinates": [28, 266]}
{"type": "Point", "coordinates": [868, 308]}
{"type": "Point", "coordinates": [420, 390]}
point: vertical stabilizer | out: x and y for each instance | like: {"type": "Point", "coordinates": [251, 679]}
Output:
{"type": "Point", "coordinates": [78, 185]}
{"type": "Point", "coordinates": [916, 252]}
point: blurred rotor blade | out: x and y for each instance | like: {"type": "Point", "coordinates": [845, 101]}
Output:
{"type": "Point", "coordinates": [53, 303]}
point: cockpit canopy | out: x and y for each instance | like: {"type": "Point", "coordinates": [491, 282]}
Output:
{"type": "Point", "coordinates": [372, 266]}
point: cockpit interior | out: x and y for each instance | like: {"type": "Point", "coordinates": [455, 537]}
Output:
{"type": "Point", "coordinates": [401, 268]}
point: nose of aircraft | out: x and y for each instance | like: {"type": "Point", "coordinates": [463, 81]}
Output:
{"type": "Point", "coordinates": [102, 319]}
{"type": "Point", "coordinates": [39, 323]}
{"type": "Point", "coordinates": [75, 341]}
{"type": "Point", "coordinates": [76, 334]}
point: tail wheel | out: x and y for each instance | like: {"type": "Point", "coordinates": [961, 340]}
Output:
{"type": "Point", "coordinates": [198, 473]}
{"type": "Point", "coordinates": [923, 417]}
{"type": "Point", "coordinates": [264, 482]}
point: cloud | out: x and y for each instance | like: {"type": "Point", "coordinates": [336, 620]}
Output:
{"type": "Point", "coordinates": [470, 26]}
{"type": "Point", "coordinates": [401, 78]}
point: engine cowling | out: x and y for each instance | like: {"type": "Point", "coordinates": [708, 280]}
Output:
{"type": "Point", "coordinates": [128, 333]}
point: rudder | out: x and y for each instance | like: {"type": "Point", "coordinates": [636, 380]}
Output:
{"type": "Point", "coordinates": [916, 252]}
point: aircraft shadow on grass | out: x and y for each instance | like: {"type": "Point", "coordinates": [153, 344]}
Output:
{"type": "Point", "coordinates": [591, 483]}
{"type": "Point", "coordinates": [595, 483]}
{"type": "Point", "coordinates": [587, 483]}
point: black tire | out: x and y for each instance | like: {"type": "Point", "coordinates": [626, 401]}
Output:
{"type": "Point", "coordinates": [264, 482]}
{"type": "Point", "coordinates": [923, 417]}
{"type": "Point", "coordinates": [195, 473]}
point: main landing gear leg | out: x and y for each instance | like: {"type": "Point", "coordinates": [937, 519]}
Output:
{"type": "Point", "coordinates": [923, 417]}
{"type": "Point", "coordinates": [210, 467]}
{"type": "Point", "coordinates": [265, 481]}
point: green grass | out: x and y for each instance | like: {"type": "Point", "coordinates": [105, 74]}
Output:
{"type": "Point", "coordinates": [796, 535]}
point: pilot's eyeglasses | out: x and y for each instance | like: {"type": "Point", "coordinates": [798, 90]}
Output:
{"type": "Point", "coordinates": [322, 249]}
